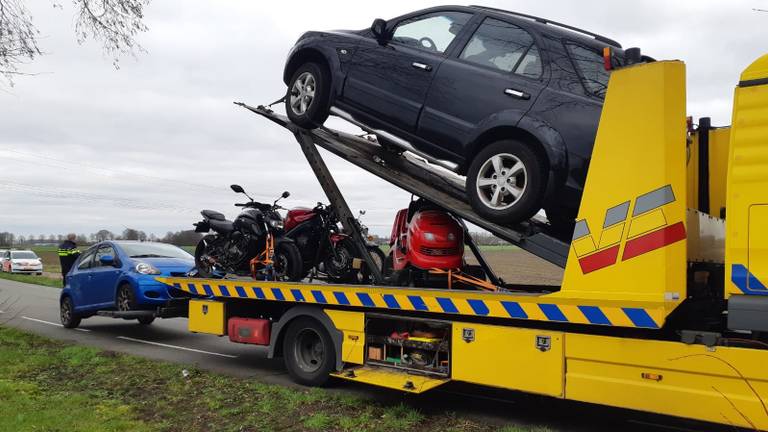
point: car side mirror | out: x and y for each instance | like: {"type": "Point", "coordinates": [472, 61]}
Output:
{"type": "Point", "coordinates": [379, 30]}
{"type": "Point", "coordinates": [107, 260]}
{"type": "Point", "coordinates": [237, 188]}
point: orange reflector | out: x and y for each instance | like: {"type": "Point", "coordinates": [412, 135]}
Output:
{"type": "Point", "coordinates": [651, 376]}
{"type": "Point", "coordinates": [607, 58]}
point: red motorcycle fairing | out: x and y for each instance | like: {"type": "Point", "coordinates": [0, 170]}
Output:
{"type": "Point", "coordinates": [297, 216]}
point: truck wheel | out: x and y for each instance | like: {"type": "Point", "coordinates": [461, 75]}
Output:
{"type": "Point", "coordinates": [308, 96]}
{"type": "Point", "coordinates": [69, 318]}
{"type": "Point", "coordinates": [506, 182]}
{"type": "Point", "coordinates": [309, 352]}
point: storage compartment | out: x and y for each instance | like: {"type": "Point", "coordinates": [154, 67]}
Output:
{"type": "Point", "coordinates": [207, 316]}
{"type": "Point", "coordinates": [415, 345]}
{"type": "Point", "coordinates": [249, 330]}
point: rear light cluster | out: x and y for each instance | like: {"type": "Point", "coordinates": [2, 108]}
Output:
{"type": "Point", "coordinates": [440, 251]}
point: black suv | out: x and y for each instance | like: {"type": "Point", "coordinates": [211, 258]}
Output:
{"type": "Point", "coordinates": [509, 100]}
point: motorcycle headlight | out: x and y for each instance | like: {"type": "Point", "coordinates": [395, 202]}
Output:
{"type": "Point", "coordinates": [147, 269]}
{"type": "Point", "coordinates": [277, 223]}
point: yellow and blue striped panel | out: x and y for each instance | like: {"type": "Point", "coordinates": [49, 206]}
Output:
{"type": "Point", "coordinates": [538, 308]}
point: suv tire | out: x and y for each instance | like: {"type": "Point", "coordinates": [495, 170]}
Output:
{"type": "Point", "coordinates": [506, 182]}
{"type": "Point", "coordinates": [307, 101]}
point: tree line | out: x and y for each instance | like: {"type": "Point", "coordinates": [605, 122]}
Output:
{"type": "Point", "coordinates": [179, 238]}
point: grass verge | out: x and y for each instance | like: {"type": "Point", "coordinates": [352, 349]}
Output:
{"type": "Point", "coordinates": [32, 279]}
{"type": "Point", "coordinates": [51, 385]}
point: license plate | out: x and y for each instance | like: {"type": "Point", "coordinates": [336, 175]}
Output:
{"type": "Point", "coordinates": [29, 268]}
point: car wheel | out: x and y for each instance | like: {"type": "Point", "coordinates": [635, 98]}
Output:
{"type": "Point", "coordinates": [125, 300]}
{"type": "Point", "coordinates": [309, 352]}
{"type": "Point", "coordinates": [506, 182]}
{"type": "Point", "coordinates": [69, 318]}
{"type": "Point", "coordinates": [307, 101]}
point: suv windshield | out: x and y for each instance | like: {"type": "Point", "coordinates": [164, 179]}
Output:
{"type": "Point", "coordinates": [23, 255]}
{"type": "Point", "coordinates": [591, 69]}
{"type": "Point", "coordinates": [154, 250]}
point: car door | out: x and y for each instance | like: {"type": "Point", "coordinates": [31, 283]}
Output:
{"type": "Point", "coordinates": [102, 285]}
{"type": "Point", "coordinates": [389, 81]}
{"type": "Point", "coordinates": [493, 80]}
{"type": "Point", "coordinates": [78, 280]}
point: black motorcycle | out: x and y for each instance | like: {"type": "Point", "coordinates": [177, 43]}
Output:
{"type": "Point", "coordinates": [254, 244]}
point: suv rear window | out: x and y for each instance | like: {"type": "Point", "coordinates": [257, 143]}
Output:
{"type": "Point", "coordinates": [589, 64]}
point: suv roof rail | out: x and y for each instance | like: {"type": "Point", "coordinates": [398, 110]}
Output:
{"type": "Point", "coordinates": [553, 23]}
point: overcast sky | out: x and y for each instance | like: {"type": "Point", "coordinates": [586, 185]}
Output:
{"type": "Point", "coordinates": [84, 146]}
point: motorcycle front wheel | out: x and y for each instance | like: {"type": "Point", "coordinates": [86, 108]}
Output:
{"type": "Point", "coordinates": [288, 263]}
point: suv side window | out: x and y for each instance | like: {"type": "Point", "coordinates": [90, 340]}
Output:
{"type": "Point", "coordinates": [431, 32]}
{"type": "Point", "coordinates": [103, 251]}
{"type": "Point", "coordinates": [85, 260]}
{"type": "Point", "coordinates": [505, 47]}
{"type": "Point", "coordinates": [589, 64]}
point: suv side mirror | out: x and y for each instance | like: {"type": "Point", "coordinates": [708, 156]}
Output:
{"type": "Point", "coordinates": [379, 30]}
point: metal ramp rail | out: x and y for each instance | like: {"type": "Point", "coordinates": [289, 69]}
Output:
{"type": "Point", "coordinates": [532, 236]}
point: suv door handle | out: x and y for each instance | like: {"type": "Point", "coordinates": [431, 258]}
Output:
{"type": "Point", "coordinates": [517, 93]}
{"type": "Point", "coordinates": [421, 66]}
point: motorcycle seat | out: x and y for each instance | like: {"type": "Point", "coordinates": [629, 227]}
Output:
{"type": "Point", "coordinates": [213, 215]}
{"type": "Point", "coordinates": [222, 226]}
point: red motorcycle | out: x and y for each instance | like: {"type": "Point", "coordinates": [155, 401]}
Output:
{"type": "Point", "coordinates": [427, 247]}
{"type": "Point", "coordinates": [324, 248]}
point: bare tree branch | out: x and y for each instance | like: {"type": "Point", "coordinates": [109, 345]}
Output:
{"type": "Point", "coordinates": [114, 23]}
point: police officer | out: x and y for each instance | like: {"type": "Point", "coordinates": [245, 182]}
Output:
{"type": "Point", "coordinates": [68, 253]}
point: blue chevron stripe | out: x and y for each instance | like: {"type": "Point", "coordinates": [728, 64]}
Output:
{"type": "Point", "coordinates": [447, 305]}
{"type": "Point", "coordinates": [391, 301]}
{"type": "Point", "coordinates": [478, 306]}
{"type": "Point", "coordinates": [418, 303]}
{"type": "Point", "coordinates": [514, 309]}
{"type": "Point", "coordinates": [240, 291]}
{"type": "Point", "coordinates": [208, 290]}
{"type": "Point", "coordinates": [595, 315]}
{"type": "Point", "coordinates": [297, 295]}
{"type": "Point", "coordinates": [553, 312]}
{"type": "Point", "coordinates": [640, 317]}
{"type": "Point", "coordinates": [224, 290]}
{"type": "Point", "coordinates": [258, 293]}
{"type": "Point", "coordinates": [365, 299]}
{"type": "Point", "coordinates": [278, 294]}
{"type": "Point", "coordinates": [341, 298]}
{"type": "Point", "coordinates": [319, 296]}
{"type": "Point", "coordinates": [192, 288]}
{"type": "Point", "coordinates": [746, 281]}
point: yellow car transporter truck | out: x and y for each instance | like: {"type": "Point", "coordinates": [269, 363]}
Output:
{"type": "Point", "coordinates": [664, 300]}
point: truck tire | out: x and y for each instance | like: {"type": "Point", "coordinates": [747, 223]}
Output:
{"type": "Point", "coordinates": [307, 100]}
{"type": "Point", "coordinates": [309, 352]}
{"type": "Point", "coordinates": [506, 182]}
{"type": "Point", "coordinates": [69, 319]}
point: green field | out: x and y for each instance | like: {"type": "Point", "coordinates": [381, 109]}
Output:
{"type": "Point", "coordinates": [47, 385]}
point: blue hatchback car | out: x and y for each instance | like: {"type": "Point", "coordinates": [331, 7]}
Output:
{"type": "Point", "coordinates": [120, 275]}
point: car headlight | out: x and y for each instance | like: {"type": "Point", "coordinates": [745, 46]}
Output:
{"type": "Point", "coordinates": [277, 223]}
{"type": "Point", "coordinates": [428, 236]}
{"type": "Point", "coordinates": [147, 269]}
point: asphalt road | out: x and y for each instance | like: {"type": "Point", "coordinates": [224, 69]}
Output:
{"type": "Point", "coordinates": [35, 308]}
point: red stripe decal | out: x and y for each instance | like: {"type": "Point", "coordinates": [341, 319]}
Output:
{"type": "Point", "coordinates": [655, 240]}
{"type": "Point", "coordinates": [598, 260]}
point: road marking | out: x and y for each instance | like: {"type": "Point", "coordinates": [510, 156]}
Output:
{"type": "Point", "coordinates": [175, 347]}
{"type": "Point", "coordinates": [51, 323]}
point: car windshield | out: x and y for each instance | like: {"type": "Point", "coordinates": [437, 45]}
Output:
{"type": "Point", "coordinates": [154, 250]}
{"type": "Point", "coordinates": [23, 255]}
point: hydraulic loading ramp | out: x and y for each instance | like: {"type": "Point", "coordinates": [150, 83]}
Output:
{"type": "Point", "coordinates": [396, 169]}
